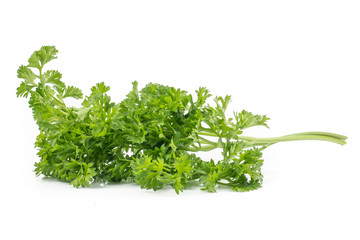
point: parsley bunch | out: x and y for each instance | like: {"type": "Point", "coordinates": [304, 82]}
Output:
{"type": "Point", "coordinates": [150, 138]}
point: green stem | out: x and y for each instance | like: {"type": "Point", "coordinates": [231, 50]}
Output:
{"type": "Point", "coordinates": [204, 148]}
{"type": "Point", "coordinates": [252, 141]}
{"type": "Point", "coordinates": [322, 136]}
{"type": "Point", "coordinates": [206, 141]}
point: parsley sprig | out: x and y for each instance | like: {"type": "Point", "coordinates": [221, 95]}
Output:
{"type": "Point", "coordinates": [150, 138]}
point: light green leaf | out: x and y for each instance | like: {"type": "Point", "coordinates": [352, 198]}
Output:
{"type": "Point", "coordinates": [73, 92]}
{"type": "Point", "coordinates": [39, 58]}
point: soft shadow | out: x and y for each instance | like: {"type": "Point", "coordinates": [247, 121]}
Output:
{"type": "Point", "coordinates": [193, 186]}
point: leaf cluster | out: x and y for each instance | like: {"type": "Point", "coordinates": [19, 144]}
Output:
{"type": "Point", "coordinates": [150, 138]}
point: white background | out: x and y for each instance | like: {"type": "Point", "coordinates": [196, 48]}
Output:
{"type": "Point", "coordinates": [296, 61]}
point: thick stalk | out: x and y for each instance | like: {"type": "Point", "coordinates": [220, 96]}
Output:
{"type": "Point", "coordinates": [252, 141]}
{"type": "Point", "coordinates": [321, 136]}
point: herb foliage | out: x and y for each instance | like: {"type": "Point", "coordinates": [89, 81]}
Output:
{"type": "Point", "coordinates": [150, 138]}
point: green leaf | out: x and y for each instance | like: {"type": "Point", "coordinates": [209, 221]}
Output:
{"type": "Point", "coordinates": [26, 74]}
{"type": "Point", "coordinates": [39, 58]}
{"type": "Point", "coordinates": [53, 77]}
{"type": "Point", "coordinates": [246, 119]}
{"type": "Point", "coordinates": [34, 61]}
{"type": "Point", "coordinates": [149, 173]}
{"type": "Point", "coordinates": [100, 88]}
{"type": "Point", "coordinates": [28, 84]}
{"type": "Point", "coordinates": [73, 92]}
{"type": "Point", "coordinates": [23, 90]}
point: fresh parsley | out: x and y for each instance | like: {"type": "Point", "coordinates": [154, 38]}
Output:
{"type": "Point", "coordinates": [150, 138]}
